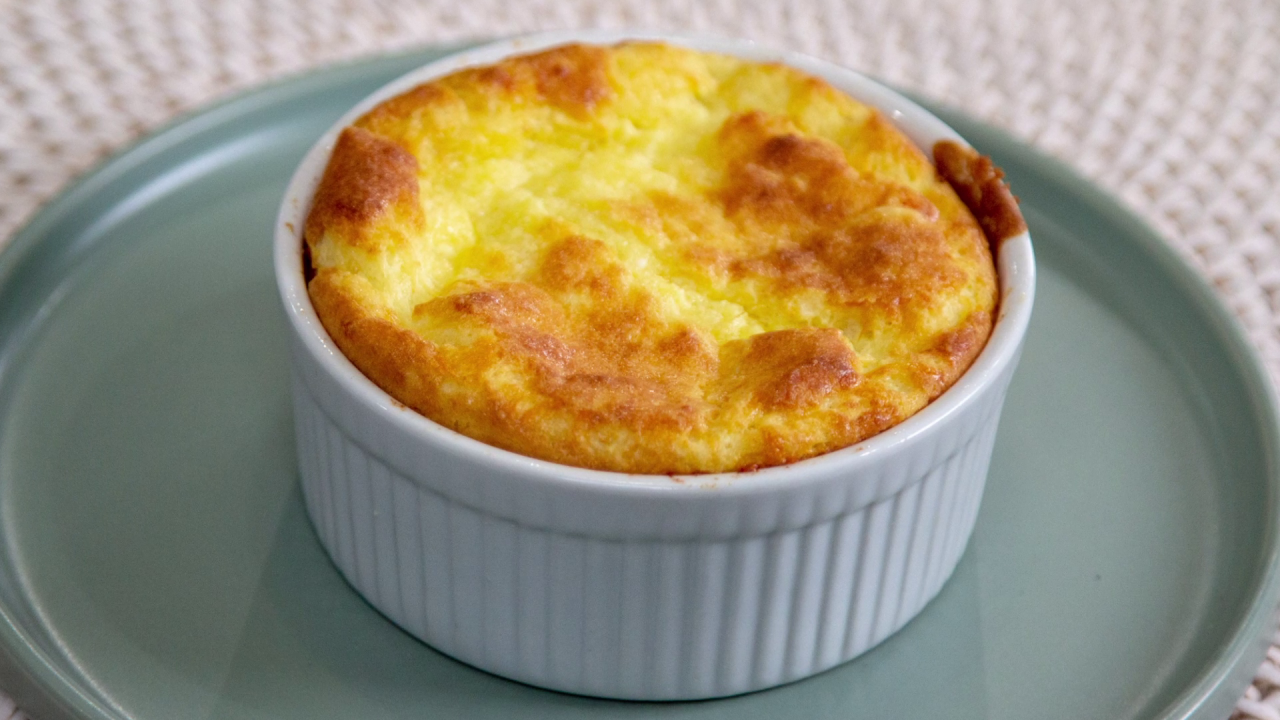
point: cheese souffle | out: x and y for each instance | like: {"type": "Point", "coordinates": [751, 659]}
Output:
{"type": "Point", "coordinates": [649, 259]}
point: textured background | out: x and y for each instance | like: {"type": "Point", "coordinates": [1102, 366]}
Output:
{"type": "Point", "coordinates": [1171, 105]}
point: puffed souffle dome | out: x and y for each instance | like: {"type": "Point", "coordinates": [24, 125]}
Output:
{"type": "Point", "coordinates": [649, 259]}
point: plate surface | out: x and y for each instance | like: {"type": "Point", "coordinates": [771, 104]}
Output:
{"type": "Point", "coordinates": [157, 561]}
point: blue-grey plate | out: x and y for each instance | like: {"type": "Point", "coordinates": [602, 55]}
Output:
{"type": "Point", "coordinates": [156, 562]}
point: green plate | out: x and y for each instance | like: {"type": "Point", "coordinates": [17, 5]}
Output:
{"type": "Point", "coordinates": [157, 562]}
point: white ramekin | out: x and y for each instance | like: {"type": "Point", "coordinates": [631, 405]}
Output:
{"type": "Point", "coordinates": [634, 586]}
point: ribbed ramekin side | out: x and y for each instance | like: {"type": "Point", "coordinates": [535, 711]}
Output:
{"type": "Point", "coordinates": [637, 619]}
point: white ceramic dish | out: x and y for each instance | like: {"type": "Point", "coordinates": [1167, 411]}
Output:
{"type": "Point", "coordinates": [631, 586]}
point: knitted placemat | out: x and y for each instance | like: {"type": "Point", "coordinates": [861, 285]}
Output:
{"type": "Point", "coordinates": [1171, 105]}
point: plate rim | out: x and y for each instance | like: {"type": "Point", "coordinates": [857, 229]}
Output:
{"type": "Point", "coordinates": [1252, 635]}
{"type": "Point", "coordinates": [38, 684]}
{"type": "Point", "coordinates": [33, 679]}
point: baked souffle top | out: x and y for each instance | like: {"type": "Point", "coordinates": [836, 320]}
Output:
{"type": "Point", "coordinates": [648, 259]}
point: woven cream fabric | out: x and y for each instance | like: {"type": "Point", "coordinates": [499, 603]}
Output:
{"type": "Point", "coordinates": [1172, 105]}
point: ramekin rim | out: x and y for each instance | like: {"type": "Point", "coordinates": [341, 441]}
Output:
{"type": "Point", "coordinates": [1015, 269]}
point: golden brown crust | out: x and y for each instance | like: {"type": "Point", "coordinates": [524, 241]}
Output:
{"type": "Point", "coordinates": [367, 175]}
{"type": "Point", "coordinates": [572, 78]}
{"type": "Point", "coordinates": [981, 186]}
{"type": "Point", "coordinates": [790, 183]}
{"type": "Point", "coordinates": [790, 369]}
{"type": "Point", "coordinates": [376, 344]}
{"type": "Point", "coordinates": [646, 259]}
{"type": "Point", "coordinates": [938, 367]}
